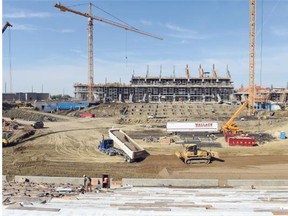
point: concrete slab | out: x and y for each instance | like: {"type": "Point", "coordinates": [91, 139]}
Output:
{"type": "Point", "coordinates": [160, 201]}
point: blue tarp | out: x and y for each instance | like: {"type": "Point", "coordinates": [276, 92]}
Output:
{"type": "Point", "coordinates": [65, 106]}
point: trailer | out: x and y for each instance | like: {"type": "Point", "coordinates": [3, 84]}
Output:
{"type": "Point", "coordinates": [133, 152]}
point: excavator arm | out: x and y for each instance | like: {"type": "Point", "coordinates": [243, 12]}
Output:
{"type": "Point", "coordinates": [6, 26]}
{"type": "Point", "coordinates": [229, 126]}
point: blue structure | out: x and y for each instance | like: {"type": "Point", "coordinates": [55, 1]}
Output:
{"type": "Point", "coordinates": [64, 106]}
{"type": "Point", "coordinates": [282, 135]}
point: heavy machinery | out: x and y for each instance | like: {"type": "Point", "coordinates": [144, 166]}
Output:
{"type": "Point", "coordinates": [194, 155]}
{"type": "Point", "coordinates": [12, 133]}
{"type": "Point", "coordinates": [13, 137]}
{"type": "Point", "coordinates": [229, 126]}
{"type": "Point", "coordinates": [107, 146]}
{"type": "Point", "coordinates": [38, 125]}
{"type": "Point", "coordinates": [126, 146]}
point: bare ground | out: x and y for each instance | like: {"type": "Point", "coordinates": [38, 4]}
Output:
{"type": "Point", "coordinates": [69, 148]}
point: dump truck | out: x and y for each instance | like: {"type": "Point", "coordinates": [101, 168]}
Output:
{"type": "Point", "coordinates": [130, 150]}
{"type": "Point", "coordinates": [194, 155]}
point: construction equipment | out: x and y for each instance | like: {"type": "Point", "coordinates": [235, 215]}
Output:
{"type": "Point", "coordinates": [38, 125]}
{"type": "Point", "coordinates": [90, 39]}
{"type": "Point", "coordinates": [252, 35]}
{"type": "Point", "coordinates": [6, 26]}
{"type": "Point", "coordinates": [229, 126]}
{"type": "Point", "coordinates": [107, 146]}
{"type": "Point", "coordinates": [13, 133]}
{"type": "Point", "coordinates": [194, 155]}
{"type": "Point", "coordinates": [128, 148]}
{"type": "Point", "coordinates": [16, 136]}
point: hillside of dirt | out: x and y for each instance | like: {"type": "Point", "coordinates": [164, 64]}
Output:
{"type": "Point", "coordinates": [67, 146]}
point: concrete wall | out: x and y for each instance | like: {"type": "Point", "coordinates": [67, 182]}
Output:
{"type": "Point", "coordinates": [138, 182]}
{"type": "Point", "coordinates": [46, 179]}
{"type": "Point", "coordinates": [257, 182]}
{"type": "Point", "coordinates": [170, 182]}
{"type": "Point", "coordinates": [58, 180]}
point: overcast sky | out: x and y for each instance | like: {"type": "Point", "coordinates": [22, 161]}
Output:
{"type": "Point", "coordinates": [46, 49]}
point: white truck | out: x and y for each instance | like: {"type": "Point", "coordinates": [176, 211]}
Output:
{"type": "Point", "coordinates": [133, 152]}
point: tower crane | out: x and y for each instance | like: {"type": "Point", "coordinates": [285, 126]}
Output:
{"type": "Point", "coordinates": [90, 39]}
{"type": "Point", "coordinates": [251, 97]}
{"type": "Point", "coordinates": [6, 26]}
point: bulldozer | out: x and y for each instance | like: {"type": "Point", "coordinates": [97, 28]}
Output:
{"type": "Point", "coordinates": [194, 155]}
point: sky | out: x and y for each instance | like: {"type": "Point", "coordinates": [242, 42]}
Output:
{"type": "Point", "coordinates": [46, 49]}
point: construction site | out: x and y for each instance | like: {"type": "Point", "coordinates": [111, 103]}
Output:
{"type": "Point", "coordinates": [168, 145]}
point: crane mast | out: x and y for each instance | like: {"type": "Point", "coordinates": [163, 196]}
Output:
{"type": "Point", "coordinates": [90, 39]}
{"type": "Point", "coordinates": [90, 55]}
{"type": "Point", "coordinates": [251, 97]}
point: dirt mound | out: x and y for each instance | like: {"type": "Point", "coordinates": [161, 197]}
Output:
{"type": "Point", "coordinates": [29, 115]}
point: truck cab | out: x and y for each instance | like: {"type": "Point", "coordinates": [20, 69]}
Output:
{"type": "Point", "coordinates": [105, 144]}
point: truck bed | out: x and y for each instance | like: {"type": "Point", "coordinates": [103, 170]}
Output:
{"type": "Point", "coordinates": [127, 144]}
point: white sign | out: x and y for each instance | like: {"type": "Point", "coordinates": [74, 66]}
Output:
{"type": "Point", "coordinates": [192, 126]}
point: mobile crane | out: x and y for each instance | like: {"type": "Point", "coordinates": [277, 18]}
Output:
{"type": "Point", "coordinates": [229, 126]}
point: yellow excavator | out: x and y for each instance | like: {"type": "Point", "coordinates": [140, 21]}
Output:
{"type": "Point", "coordinates": [229, 126]}
{"type": "Point", "coordinates": [194, 155]}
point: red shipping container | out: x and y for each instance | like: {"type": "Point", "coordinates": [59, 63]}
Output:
{"type": "Point", "coordinates": [241, 141]}
{"type": "Point", "coordinates": [227, 136]}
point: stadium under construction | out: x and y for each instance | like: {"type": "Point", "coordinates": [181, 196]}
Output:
{"type": "Point", "coordinates": [207, 87]}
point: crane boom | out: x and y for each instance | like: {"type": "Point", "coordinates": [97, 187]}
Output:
{"type": "Point", "coordinates": [90, 38]}
{"type": "Point", "coordinates": [251, 98]}
{"type": "Point", "coordinates": [229, 126]}
{"type": "Point", "coordinates": [6, 26]}
{"type": "Point", "coordinates": [64, 9]}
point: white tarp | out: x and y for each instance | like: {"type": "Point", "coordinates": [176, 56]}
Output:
{"type": "Point", "coordinates": [192, 126]}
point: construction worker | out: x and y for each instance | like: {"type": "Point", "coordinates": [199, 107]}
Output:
{"type": "Point", "coordinates": [87, 183]}
{"type": "Point", "coordinates": [105, 182]}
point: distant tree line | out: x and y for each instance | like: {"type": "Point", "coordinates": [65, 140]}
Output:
{"type": "Point", "coordinates": [61, 97]}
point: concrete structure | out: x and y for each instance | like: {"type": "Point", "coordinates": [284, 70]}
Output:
{"type": "Point", "coordinates": [264, 96]}
{"type": "Point", "coordinates": [204, 88]}
{"type": "Point", "coordinates": [257, 182]}
{"type": "Point", "coordinates": [25, 96]}
{"type": "Point", "coordinates": [170, 182]}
